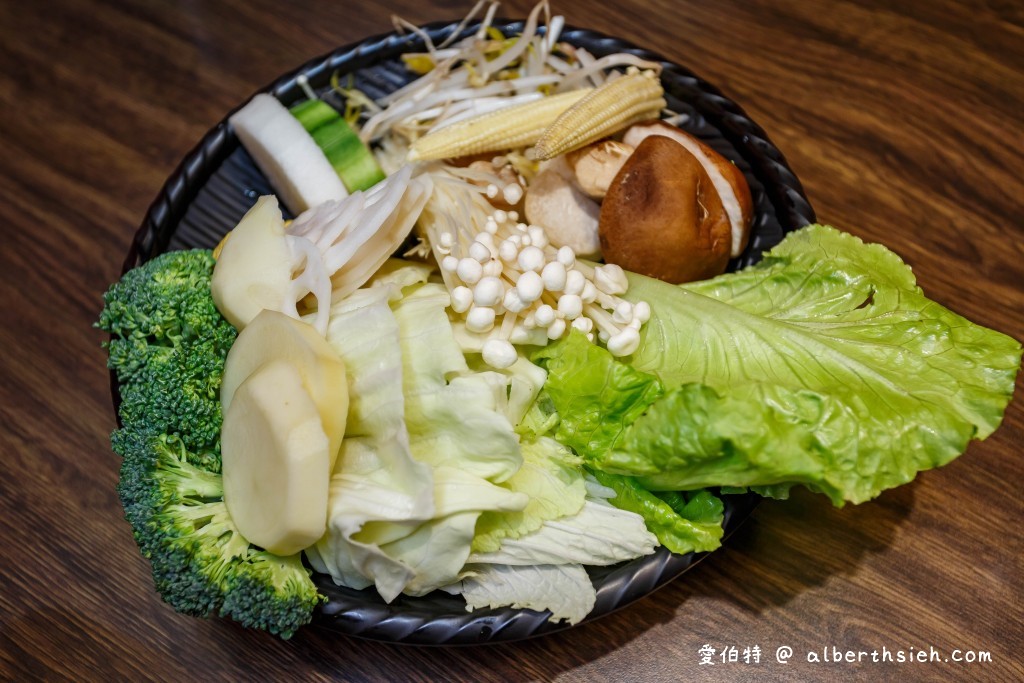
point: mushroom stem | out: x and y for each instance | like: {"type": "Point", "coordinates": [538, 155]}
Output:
{"type": "Point", "coordinates": [601, 318]}
{"type": "Point", "coordinates": [508, 323]}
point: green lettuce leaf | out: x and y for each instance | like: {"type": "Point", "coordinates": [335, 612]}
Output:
{"type": "Point", "coordinates": [826, 312]}
{"type": "Point", "coordinates": [681, 528]}
{"type": "Point", "coordinates": [595, 396]}
{"type": "Point", "coordinates": [824, 365]}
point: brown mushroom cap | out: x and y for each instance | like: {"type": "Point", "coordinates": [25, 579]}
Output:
{"type": "Point", "coordinates": [731, 184]}
{"type": "Point", "coordinates": [663, 217]}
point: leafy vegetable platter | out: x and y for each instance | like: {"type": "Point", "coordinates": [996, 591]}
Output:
{"type": "Point", "coordinates": [218, 182]}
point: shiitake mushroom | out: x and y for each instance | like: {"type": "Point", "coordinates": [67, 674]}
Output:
{"type": "Point", "coordinates": [664, 215]}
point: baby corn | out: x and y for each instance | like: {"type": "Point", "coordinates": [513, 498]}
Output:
{"type": "Point", "coordinates": [509, 128]}
{"type": "Point", "coordinates": [615, 105]}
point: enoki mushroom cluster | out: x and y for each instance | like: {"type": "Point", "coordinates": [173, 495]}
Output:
{"type": "Point", "coordinates": [514, 287]}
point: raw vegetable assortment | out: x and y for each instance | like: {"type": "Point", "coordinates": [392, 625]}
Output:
{"type": "Point", "coordinates": [558, 373]}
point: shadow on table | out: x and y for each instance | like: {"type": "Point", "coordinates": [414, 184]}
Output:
{"type": "Point", "coordinates": [790, 546]}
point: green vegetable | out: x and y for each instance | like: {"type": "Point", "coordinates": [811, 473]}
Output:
{"type": "Point", "coordinates": [599, 534]}
{"type": "Point", "coordinates": [351, 158]}
{"type": "Point", "coordinates": [201, 563]}
{"type": "Point", "coordinates": [451, 413]}
{"type": "Point", "coordinates": [595, 396]}
{"type": "Point", "coordinates": [167, 349]}
{"type": "Point", "coordinates": [596, 399]}
{"type": "Point", "coordinates": [552, 478]}
{"type": "Point", "coordinates": [682, 527]}
{"type": "Point", "coordinates": [424, 449]}
{"type": "Point", "coordinates": [824, 365]}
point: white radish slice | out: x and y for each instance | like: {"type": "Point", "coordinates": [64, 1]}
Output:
{"type": "Point", "coordinates": [275, 336]}
{"type": "Point", "coordinates": [286, 154]}
{"type": "Point", "coordinates": [730, 200]}
{"type": "Point", "coordinates": [275, 461]}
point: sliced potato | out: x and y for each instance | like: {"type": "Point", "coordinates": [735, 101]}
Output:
{"type": "Point", "coordinates": [254, 267]}
{"type": "Point", "coordinates": [275, 336]}
{"type": "Point", "coordinates": [276, 463]}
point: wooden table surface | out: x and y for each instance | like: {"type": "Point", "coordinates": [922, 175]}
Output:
{"type": "Point", "coordinates": [905, 128]}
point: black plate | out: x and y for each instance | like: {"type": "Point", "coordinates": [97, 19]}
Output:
{"type": "Point", "coordinates": [218, 182]}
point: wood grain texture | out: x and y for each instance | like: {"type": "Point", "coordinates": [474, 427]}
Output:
{"type": "Point", "coordinates": [905, 128]}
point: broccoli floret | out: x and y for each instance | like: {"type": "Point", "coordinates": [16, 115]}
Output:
{"type": "Point", "coordinates": [168, 348]}
{"type": "Point", "coordinates": [202, 565]}
{"type": "Point", "coordinates": [272, 593]}
{"type": "Point", "coordinates": [164, 301]}
{"type": "Point", "coordinates": [178, 392]}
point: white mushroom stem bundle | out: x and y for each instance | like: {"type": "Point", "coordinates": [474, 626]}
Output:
{"type": "Point", "coordinates": [511, 286]}
{"type": "Point", "coordinates": [326, 253]}
{"type": "Point", "coordinates": [356, 235]}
